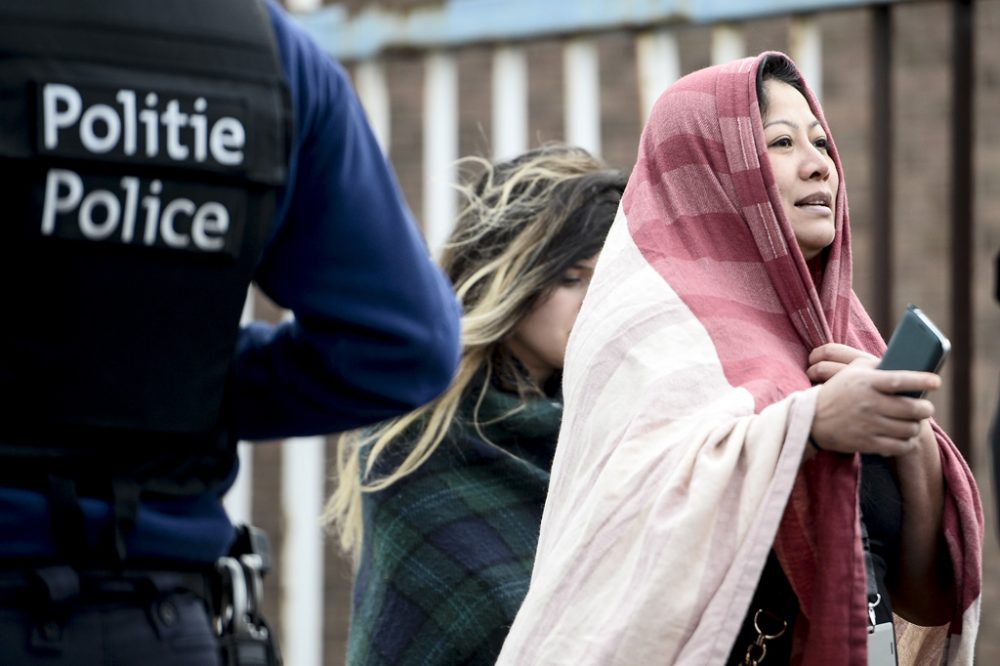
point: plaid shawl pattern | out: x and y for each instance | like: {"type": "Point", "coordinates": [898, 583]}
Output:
{"type": "Point", "coordinates": [448, 549]}
{"type": "Point", "coordinates": [687, 411]}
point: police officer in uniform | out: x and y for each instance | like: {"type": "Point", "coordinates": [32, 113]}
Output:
{"type": "Point", "coordinates": [155, 158]}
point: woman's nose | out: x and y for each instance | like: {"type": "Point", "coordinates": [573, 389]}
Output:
{"type": "Point", "coordinates": [814, 164]}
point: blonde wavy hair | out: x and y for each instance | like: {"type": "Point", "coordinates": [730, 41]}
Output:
{"type": "Point", "coordinates": [522, 224]}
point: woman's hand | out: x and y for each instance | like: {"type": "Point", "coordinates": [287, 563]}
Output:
{"type": "Point", "coordinates": [857, 408]}
{"type": "Point", "coordinates": [827, 360]}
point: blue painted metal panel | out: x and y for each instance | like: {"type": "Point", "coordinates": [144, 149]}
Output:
{"type": "Point", "coordinates": [369, 32]}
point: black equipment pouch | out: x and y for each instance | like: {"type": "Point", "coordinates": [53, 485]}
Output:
{"type": "Point", "coordinates": [245, 639]}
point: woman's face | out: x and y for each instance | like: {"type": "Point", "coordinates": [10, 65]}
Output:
{"type": "Point", "coordinates": [540, 338]}
{"type": "Point", "coordinates": [805, 173]}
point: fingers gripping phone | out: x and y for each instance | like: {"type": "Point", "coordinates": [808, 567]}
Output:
{"type": "Point", "coordinates": [916, 344]}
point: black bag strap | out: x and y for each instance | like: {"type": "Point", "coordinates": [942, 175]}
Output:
{"type": "Point", "coordinates": [873, 596]}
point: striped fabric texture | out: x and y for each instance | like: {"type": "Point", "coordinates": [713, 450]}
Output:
{"type": "Point", "coordinates": [448, 549]}
{"type": "Point", "coordinates": [687, 412]}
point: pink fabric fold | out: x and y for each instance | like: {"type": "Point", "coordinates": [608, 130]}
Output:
{"type": "Point", "coordinates": [687, 411]}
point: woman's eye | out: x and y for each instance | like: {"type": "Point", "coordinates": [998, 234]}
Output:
{"type": "Point", "coordinates": [822, 144]}
{"type": "Point", "coordinates": [783, 142]}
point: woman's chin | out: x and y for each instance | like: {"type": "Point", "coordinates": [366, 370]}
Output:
{"type": "Point", "coordinates": [811, 244]}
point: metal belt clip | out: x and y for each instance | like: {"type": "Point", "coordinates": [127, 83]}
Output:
{"type": "Point", "coordinates": [871, 612]}
{"type": "Point", "coordinates": [758, 649]}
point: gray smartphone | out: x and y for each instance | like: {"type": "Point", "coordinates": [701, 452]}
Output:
{"type": "Point", "coordinates": [916, 344]}
{"type": "Point", "coordinates": [882, 645]}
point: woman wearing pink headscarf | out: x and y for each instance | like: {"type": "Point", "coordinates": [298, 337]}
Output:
{"type": "Point", "coordinates": [727, 437]}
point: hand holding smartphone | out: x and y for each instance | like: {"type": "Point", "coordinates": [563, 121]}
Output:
{"type": "Point", "coordinates": [916, 344]}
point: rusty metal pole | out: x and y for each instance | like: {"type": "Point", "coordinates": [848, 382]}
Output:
{"type": "Point", "coordinates": [962, 123]}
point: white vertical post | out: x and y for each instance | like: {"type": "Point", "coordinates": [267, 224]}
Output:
{"type": "Point", "coordinates": [583, 94]}
{"type": "Point", "coordinates": [510, 102]}
{"type": "Point", "coordinates": [373, 91]}
{"type": "Point", "coordinates": [440, 147]}
{"type": "Point", "coordinates": [806, 49]}
{"type": "Point", "coordinates": [303, 5]}
{"type": "Point", "coordinates": [658, 57]}
{"type": "Point", "coordinates": [728, 43]}
{"type": "Point", "coordinates": [303, 473]}
{"type": "Point", "coordinates": [239, 499]}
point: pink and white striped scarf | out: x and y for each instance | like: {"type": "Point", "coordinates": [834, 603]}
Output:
{"type": "Point", "coordinates": [687, 411]}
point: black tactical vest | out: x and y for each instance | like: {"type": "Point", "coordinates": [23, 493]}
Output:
{"type": "Point", "coordinates": [141, 148]}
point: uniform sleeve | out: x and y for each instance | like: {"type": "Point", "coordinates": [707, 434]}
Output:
{"type": "Point", "coordinates": [375, 331]}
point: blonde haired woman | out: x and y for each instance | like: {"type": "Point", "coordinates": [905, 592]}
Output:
{"type": "Point", "coordinates": [440, 508]}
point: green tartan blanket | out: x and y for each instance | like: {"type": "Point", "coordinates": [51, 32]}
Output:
{"type": "Point", "coordinates": [448, 549]}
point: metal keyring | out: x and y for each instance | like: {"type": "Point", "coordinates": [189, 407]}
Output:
{"type": "Point", "coordinates": [769, 637]}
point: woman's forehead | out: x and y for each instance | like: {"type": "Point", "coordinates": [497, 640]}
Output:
{"type": "Point", "coordinates": [786, 103]}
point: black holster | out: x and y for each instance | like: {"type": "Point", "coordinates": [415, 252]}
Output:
{"type": "Point", "coordinates": [245, 639]}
